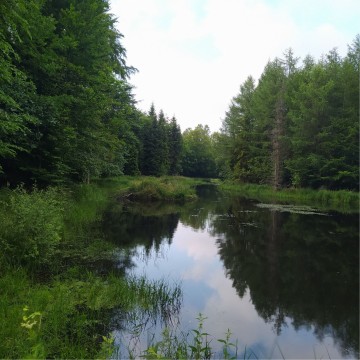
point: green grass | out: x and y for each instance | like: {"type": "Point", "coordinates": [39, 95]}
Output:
{"type": "Point", "coordinates": [61, 308]}
{"type": "Point", "coordinates": [167, 188]}
{"type": "Point", "coordinates": [341, 200]}
{"type": "Point", "coordinates": [72, 315]}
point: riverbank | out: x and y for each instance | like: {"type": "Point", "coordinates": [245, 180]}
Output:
{"type": "Point", "coordinates": [61, 280]}
{"type": "Point", "coordinates": [165, 188]}
{"type": "Point", "coordinates": [341, 200]}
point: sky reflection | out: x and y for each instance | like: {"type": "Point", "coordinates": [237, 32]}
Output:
{"type": "Point", "coordinates": [193, 259]}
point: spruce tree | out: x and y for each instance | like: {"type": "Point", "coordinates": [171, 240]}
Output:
{"type": "Point", "coordinates": [175, 147]}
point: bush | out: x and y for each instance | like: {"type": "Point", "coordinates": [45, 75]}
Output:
{"type": "Point", "coordinates": [32, 226]}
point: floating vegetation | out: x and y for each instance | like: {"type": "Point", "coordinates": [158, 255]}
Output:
{"type": "Point", "coordinates": [294, 209]}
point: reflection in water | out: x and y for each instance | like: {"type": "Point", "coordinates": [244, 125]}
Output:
{"type": "Point", "coordinates": [290, 275]}
{"type": "Point", "coordinates": [301, 267]}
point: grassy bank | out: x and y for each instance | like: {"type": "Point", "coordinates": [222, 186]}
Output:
{"type": "Point", "coordinates": [58, 279]}
{"type": "Point", "coordinates": [342, 200]}
{"type": "Point", "coordinates": [167, 188]}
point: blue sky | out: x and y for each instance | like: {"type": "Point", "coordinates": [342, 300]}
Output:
{"type": "Point", "coordinates": [192, 55]}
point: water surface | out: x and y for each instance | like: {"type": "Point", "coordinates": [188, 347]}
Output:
{"type": "Point", "coordinates": [284, 280]}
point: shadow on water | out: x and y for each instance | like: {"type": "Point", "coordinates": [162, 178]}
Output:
{"type": "Point", "coordinates": [297, 266]}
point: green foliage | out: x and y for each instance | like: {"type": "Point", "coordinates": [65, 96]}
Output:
{"type": "Point", "coordinates": [298, 127]}
{"type": "Point", "coordinates": [32, 226]}
{"type": "Point", "coordinates": [198, 159]}
{"type": "Point", "coordinates": [64, 96]}
{"type": "Point", "coordinates": [174, 188]}
{"type": "Point", "coordinates": [194, 345]}
{"type": "Point", "coordinates": [340, 200]}
{"type": "Point", "coordinates": [68, 318]}
{"type": "Point", "coordinates": [161, 145]}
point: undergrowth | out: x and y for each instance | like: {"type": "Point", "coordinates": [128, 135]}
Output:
{"type": "Point", "coordinates": [54, 303]}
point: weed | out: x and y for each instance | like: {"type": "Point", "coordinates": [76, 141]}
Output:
{"type": "Point", "coordinates": [32, 226]}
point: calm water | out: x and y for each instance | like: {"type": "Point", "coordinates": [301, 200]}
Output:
{"type": "Point", "coordinates": [285, 282]}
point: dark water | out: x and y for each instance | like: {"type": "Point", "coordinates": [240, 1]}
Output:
{"type": "Point", "coordinates": [285, 281]}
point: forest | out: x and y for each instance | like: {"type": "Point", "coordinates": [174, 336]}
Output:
{"type": "Point", "coordinates": [68, 111]}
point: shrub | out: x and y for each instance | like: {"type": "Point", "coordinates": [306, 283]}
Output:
{"type": "Point", "coordinates": [32, 226]}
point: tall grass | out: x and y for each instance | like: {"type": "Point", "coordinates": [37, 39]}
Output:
{"type": "Point", "coordinates": [341, 200]}
{"type": "Point", "coordinates": [65, 314]}
{"type": "Point", "coordinates": [73, 314]}
{"type": "Point", "coordinates": [174, 188]}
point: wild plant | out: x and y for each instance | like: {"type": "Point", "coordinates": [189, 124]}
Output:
{"type": "Point", "coordinates": [32, 324]}
{"type": "Point", "coordinates": [32, 226]}
{"type": "Point", "coordinates": [200, 349]}
{"type": "Point", "coordinates": [227, 346]}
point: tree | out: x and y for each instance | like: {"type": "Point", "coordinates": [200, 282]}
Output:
{"type": "Point", "coordinates": [198, 158]}
{"type": "Point", "coordinates": [17, 91]}
{"type": "Point", "coordinates": [324, 125]}
{"type": "Point", "coordinates": [175, 147]}
{"type": "Point", "coordinates": [269, 110]}
{"type": "Point", "coordinates": [69, 65]}
{"type": "Point", "coordinates": [237, 129]}
{"type": "Point", "coordinates": [163, 144]}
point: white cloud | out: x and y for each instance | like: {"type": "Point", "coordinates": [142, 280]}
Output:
{"type": "Point", "coordinates": [192, 59]}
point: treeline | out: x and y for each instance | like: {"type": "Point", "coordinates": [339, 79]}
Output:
{"type": "Point", "coordinates": [64, 98]}
{"type": "Point", "coordinates": [298, 126]}
{"type": "Point", "coordinates": [67, 111]}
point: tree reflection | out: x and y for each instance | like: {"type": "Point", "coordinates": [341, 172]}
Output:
{"type": "Point", "coordinates": [302, 267]}
{"type": "Point", "coordinates": [297, 268]}
{"type": "Point", "coordinates": [132, 224]}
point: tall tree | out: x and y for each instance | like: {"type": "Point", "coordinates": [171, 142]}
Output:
{"type": "Point", "coordinates": [175, 147]}
{"type": "Point", "coordinates": [71, 52]}
{"type": "Point", "coordinates": [238, 133]}
{"type": "Point", "coordinates": [198, 158]}
{"type": "Point", "coordinates": [163, 144]}
{"type": "Point", "coordinates": [270, 113]}
{"type": "Point", "coordinates": [17, 91]}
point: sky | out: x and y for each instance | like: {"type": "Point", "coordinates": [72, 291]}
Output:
{"type": "Point", "coordinates": [193, 55]}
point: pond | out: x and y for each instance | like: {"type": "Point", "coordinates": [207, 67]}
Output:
{"type": "Point", "coordinates": [284, 280]}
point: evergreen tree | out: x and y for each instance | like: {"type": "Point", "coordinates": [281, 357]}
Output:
{"type": "Point", "coordinates": [324, 125]}
{"type": "Point", "coordinates": [269, 110]}
{"type": "Point", "coordinates": [238, 133]}
{"type": "Point", "coordinates": [175, 147]}
{"type": "Point", "coordinates": [163, 145]}
{"type": "Point", "coordinates": [298, 126]}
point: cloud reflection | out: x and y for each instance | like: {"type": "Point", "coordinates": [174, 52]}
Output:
{"type": "Point", "coordinates": [193, 258]}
